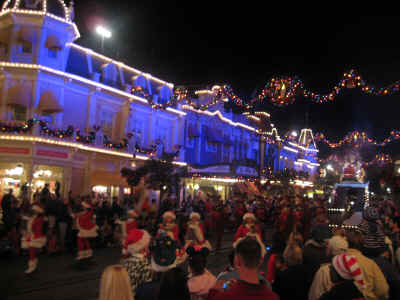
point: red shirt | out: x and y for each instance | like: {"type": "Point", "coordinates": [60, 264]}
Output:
{"type": "Point", "coordinates": [243, 290]}
{"type": "Point", "coordinates": [37, 227]}
{"type": "Point", "coordinates": [86, 220]}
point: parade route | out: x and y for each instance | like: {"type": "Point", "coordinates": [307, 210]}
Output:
{"type": "Point", "coordinates": [62, 278]}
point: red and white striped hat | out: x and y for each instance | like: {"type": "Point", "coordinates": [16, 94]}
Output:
{"type": "Point", "coordinates": [169, 214]}
{"type": "Point", "coordinates": [348, 268]}
{"type": "Point", "coordinates": [136, 241]}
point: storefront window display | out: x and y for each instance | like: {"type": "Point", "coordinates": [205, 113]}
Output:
{"type": "Point", "coordinates": [43, 174]}
{"type": "Point", "coordinates": [12, 176]}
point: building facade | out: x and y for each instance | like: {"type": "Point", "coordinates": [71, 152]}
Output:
{"type": "Point", "coordinates": [73, 116]}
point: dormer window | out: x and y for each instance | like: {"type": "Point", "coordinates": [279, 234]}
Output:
{"type": "Point", "coordinates": [109, 74]}
{"type": "Point", "coordinates": [26, 38]}
{"type": "Point", "coordinates": [53, 45]}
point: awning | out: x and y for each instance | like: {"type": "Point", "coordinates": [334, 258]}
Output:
{"type": "Point", "coordinates": [19, 95]}
{"type": "Point", "coordinates": [105, 178]}
{"type": "Point", "coordinates": [214, 136]}
{"type": "Point", "coordinates": [193, 131]}
{"type": "Point", "coordinates": [53, 42]}
{"type": "Point", "coordinates": [48, 103]}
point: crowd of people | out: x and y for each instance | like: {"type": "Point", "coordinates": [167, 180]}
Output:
{"type": "Point", "coordinates": [283, 247]}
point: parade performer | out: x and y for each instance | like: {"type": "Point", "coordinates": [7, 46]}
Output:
{"type": "Point", "coordinates": [249, 228]}
{"type": "Point", "coordinates": [87, 229]}
{"type": "Point", "coordinates": [168, 226]}
{"type": "Point", "coordinates": [195, 233]}
{"type": "Point", "coordinates": [129, 224]}
{"type": "Point", "coordinates": [34, 237]}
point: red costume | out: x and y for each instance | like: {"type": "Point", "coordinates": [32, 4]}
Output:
{"type": "Point", "coordinates": [87, 229]}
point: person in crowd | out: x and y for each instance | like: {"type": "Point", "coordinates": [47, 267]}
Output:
{"type": "Point", "coordinates": [218, 217]}
{"type": "Point", "coordinates": [374, 238]}
{"type": "Point", "coordinates": [249, 228]}
{"type": "Point", "coordinates": [390, 272]}
{"type": "Point", "coordinates": [34, 237]}
{"type": "Point", "coordinates": [293, 277]}
{"type": "Point", "coordinates": [87, 229]}
{"type": "Point", "coordinates": [315, 248]}
{"type": "Point", "coordinates": [163, 258]}
{"type": "Point", "coordinates": [174, 285]}
{"type": "Point", "coordinates": [247, 260]}
{"type": "Point", "coordinates": [376, 287]}
{"type": "Point", "coordinates": [135, 251]}
{"type": "Point", "coordinates": [115, 284]}
{"type": "Point", "coordinates": [322, 282]}
{"type": "Point", "coordinates": [195, 233]}
{"type": "Point", "coordinates": [129, 224]}
{"type": "Point", "coordinates": [6, 206]}
{"type": "Point", "coordinates": [168, 226]}
{"type": "Point", "coordinates": [64, 221]}
{"type": "Point", "coordinates": [230, 273]}
{"type": "Point", "coordinates": [201, 280]}
{"type": "Point", "coordinates": [345, 273]}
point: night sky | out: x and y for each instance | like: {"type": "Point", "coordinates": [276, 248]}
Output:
{"type": "Point", "coordinates": [244, 44]}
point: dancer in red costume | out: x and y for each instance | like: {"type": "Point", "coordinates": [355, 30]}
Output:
{"type": "Point", "coordinates": [87, 229]}
{"type": "Point", "coordinates": [34, 237]}
{"type": "Point", "coordinates": [249, 228]}
{"type": "Point", "coordinates": [195, 233]}
{"type": "Point", "coordinates": [168, 226]}
{"type": "Point", "coordinates": [128, 225]}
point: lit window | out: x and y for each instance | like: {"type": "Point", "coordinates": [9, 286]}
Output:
{"type": "Point", "coordinates": [18, 113]}
{"type": "Point", "coordinates": [107, 122]}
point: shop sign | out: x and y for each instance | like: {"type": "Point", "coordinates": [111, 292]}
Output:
{"type": "Point", "coordinates": [50, 153]}
{"type": "Point", "coordinates": [213, 169]}
{"type": "Point", "coordinates": [242, 170]}
{"type": "Point", "coordinates": [14, 150]}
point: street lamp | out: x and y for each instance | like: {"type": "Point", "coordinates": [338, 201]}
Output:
{"type": "Point", "coordinates": [104, 33]}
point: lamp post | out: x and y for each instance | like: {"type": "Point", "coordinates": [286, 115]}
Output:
{"type": "Point", "coordinates": [104, 33]}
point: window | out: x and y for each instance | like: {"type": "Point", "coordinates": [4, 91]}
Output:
{"type": "Point", "coordinates": [18, 113]}
{"type": "Point", "coordinates": [162, 134]}
{"type": "Point", "coordinates": [26, 47]}
{"type": "Point", "coordinates": [49, 118]}
{"type": "Point", "coordinates": [211, 147]}
{"type": "Point", "coordinates": [52, 52]}
{"type": "Point", "coordinates": [107, 122]}
{"type": "Point", "coordinates": [137, 130]}
{"type": "Point", "coordinates": [3, 49]}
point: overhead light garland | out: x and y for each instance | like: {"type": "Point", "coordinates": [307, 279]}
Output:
{"type": "Point", "coordinates": [358, 139]}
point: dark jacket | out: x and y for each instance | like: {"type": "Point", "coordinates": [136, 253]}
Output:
{"type": "Point", "coordinates": [344, 291]}
{"type": "Point", "coordinates": [148, 291]}
{"type": "Point", "coordinates": [392, 276]}
{"type": "Point", "coordinates": [293, 283]}
{"type": "Point", "coordinates": [314, 255]}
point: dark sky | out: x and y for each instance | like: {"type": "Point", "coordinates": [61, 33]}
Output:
{"type": "Point", "coordinates": [244, 44]}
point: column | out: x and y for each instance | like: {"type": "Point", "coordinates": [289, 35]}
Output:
{"type": "Point", "coordinates": [67, 181]}
{"type": "Point", "coordinates": [3, 106]}
{"type": "Point", "coordinates": [91, 111]}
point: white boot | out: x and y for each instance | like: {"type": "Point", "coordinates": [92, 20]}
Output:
{"type": "Point", "coordinates": [81, 255]}
{"type": "Point", "coordinates": [89, 253]}
{"type": "Point", "coordinates": [32, 265]}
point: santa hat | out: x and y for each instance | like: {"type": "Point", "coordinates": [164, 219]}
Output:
{"type": "Point", "coordinates": [249, 216]}
{"type": "Point", "coordinates": [136, 241]}
{"type": "Point", "coordinates": [36, 208]}
{"type": "Point", "coordinates": [195, 215]}
{"type": "Point", "coordinates": [86, 204]}
{"type": "Point", "coordinates": [338, 245]}
{"type": "Point", "coordinates": [169, 214]}
{"type": "Point", "coordinates": [347, 267]}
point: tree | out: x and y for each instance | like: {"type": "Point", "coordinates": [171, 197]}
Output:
{"type": "Point", "coordinates": [161, 175]}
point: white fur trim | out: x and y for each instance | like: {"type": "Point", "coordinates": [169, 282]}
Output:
{"type": "Point", "coordinates": [132, 213]}
{"type": "Point", "coordinates": [37, 208]}
{"type": "Point", "coordinates": [249, 216]}
{"type": "Point", "coordinates": [158, 268]}
{"type": "Point", "coordinates": [169, 214]}
{"type": "Point", "coordinates": [195, 215]}
{"type": "Point", "coordinates": [91, 233]}
{"type": "Point", "coordinates": [27, 242]}
{"type": "Point", "coordinates": [86, 205]}
{"type": "Point", "coordinates": [140, 245]}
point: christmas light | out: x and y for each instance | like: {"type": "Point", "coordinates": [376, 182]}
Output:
{"type": "Point", "coordinates": [290, 149]}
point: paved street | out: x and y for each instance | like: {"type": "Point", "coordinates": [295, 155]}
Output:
{"type": "Point", "coordinates": [61, 278]}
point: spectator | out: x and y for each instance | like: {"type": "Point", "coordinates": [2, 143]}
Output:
{"type": "Point", "coordinates": [136, 249]}
{"type": "Point", "coordinates": [163, 258]}
{"type": "Point", "coordinates": [174, 285]}
{"type": "Point", "coordinates": [247, 262]}
{"type": "Point", "coordinates": [322, 282]}
{"type": "Point", "coordinates": [345, 271]}
{"type": "Point", "coordinates": [201, 280]}
{"type": "Point", "coordinates": [376, 284]}
{"type": "Point", "coordinates": [293, 278]}
{"type": "Point", "coordinates": [374, 238]}
{"type": "Point", "coordinates": [315, 249]}
{"type": "Point", "coordinates": [115, 284]}
{"type": "Point", "coordinates": [232, 274]}
{"type": "Point", "coordinates": [391, 274]}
